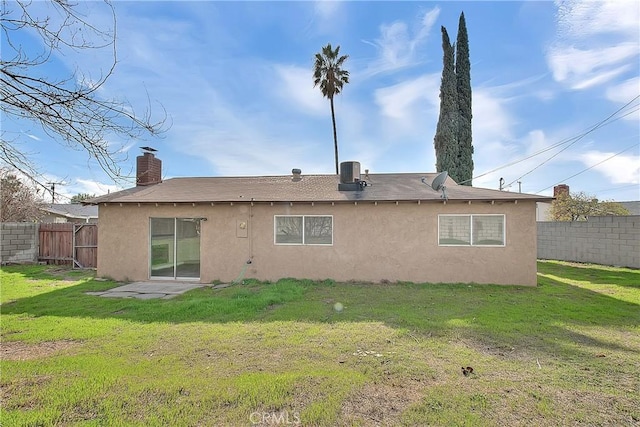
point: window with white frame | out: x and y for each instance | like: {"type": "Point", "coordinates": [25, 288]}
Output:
{"type": "Point", "coordinates": [303, 229]}
{"type": "Point", "coordinates": [471, 230]}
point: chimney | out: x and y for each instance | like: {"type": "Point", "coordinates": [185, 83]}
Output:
{"type": "Point", "coordinates": [560, 189]}
{"type": "Point", "coordinates": [297, 174]}
{"type": "Point", "coordinates": [148, 169]}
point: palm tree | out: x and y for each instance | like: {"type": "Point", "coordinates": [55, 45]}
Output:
{"type": "Point", "coordinates": [328, 73]}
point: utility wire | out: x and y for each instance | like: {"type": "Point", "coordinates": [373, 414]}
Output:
{"type": "Point", "coordinates": [616, 188]}
{"type": "Point", "coordinates": [561, 142]}
{"type": "Point", "coordinates": [600, 124]}
{"type": "Point", "coordinates": [590, 167]}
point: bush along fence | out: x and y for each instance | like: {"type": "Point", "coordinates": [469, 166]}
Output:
{"type": "Point", "coordinates": [607, 240]}
{"type": "Point", "coordinates": [62, 243]}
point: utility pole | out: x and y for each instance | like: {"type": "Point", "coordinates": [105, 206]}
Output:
{"type": "Point", "coordinates": [53, 190]}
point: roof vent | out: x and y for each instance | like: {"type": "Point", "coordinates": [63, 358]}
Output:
{"type": "Point", "coordinates": [296, 174]}
{"type": "Point", "coordinates": [350, 177]}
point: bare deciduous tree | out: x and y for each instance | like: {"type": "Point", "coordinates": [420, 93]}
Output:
{"type": "Point", "coordinates": [69, 109]}
{"type": "Point", "coordinates": [18, 202]}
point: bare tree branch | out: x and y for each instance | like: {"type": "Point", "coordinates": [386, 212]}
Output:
{"type": "Point", "coordinates": [68, 109]}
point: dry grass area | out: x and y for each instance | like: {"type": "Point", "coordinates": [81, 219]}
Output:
{"type": "Point", "coordinates": [16, 350]}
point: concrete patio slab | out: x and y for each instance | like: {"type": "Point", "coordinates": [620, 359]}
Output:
{"type": "Point", "coordinates": [148, 290]}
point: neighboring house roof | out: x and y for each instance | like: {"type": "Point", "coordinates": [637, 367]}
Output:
{"type": "Point", "coordinates": [72, 210]}
{"type": "Point", "coordinates": [632, 207]}
{"type": "Point", "coordinates": [310, 188]}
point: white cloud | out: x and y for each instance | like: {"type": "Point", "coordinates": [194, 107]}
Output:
{"type": "Point", "coordinates": [296, 86]}
{"type": "Point", "coordinates": [622, 169]}
{"type": "Point", "coordinates": [597, 42]}
{"type": "Point", "coordinates": [238, 142]}
{"type": "Point", "coordinates": [623, 93]}
{"type": "Point", "coordinates": [397, 46]}
{"type": "Point", "coordinates": [328, 17]}
{"type": "Point", "coordinates": [92, 187]}
{"type": "Point", "coordinates": [428, 20]}
{"type": "Point", "coordinates": [583, 18]}
{"type": "Point", "coordinates": [583, 68]}
{"type": "Point", "coordinates": [398, 102]}
{"type": "Point", "coordinates": [492, 120]}
{"type": "Point", "coordinates": [327, 10]}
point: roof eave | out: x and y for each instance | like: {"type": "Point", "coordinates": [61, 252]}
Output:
{"type": "Point", "coordinates": [350, 200]}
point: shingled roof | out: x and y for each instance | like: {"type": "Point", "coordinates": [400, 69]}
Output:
{"type": "Point", "coordinates": [309, 188]}
{"type": "Point", "coordinates": [72, 210]}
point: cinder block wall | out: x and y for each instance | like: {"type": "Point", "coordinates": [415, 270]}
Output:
{"type": "Point", "coordinates": [608, 240]}
{"type": "Point", "coordinates": [18, 242]}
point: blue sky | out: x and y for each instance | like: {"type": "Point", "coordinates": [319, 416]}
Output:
{"type": "Point", "coordinates": [235, 79]}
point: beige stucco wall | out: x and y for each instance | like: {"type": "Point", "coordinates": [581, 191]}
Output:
{"type": "Point", "coordinates": [370, 243]}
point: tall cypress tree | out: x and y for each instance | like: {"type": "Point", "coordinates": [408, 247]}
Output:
{"type": "Point", "coordinates": [463, 87]}
{"type": "Point", "coordinates": [445, 140]}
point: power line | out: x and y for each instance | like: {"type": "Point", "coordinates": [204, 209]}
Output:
{"type": "Point", "coordinates": [590, 167]}
{"type": "Point", "coordinates": [586, 131]}
{"type": "Point", "coordinates": [616, 188]}
{"type": "Point", "coordinates": [594, 128]}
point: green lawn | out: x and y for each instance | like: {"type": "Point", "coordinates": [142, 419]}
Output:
{"type": "Point", "coordinates": [563, 353]}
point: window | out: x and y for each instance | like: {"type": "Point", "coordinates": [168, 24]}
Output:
{"type": "Point", "coordinates": [303, 230]}
{"type": "Point", "coordinates": [471, 230]}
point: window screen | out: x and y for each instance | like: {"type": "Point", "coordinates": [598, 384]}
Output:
{"type": "Point", "coordinates": [471, 230]}
{"type": "Point", "coordinates": [304, 230]}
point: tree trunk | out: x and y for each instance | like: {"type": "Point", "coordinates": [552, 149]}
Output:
{"type": "Point", "coordinates": [335, 135]}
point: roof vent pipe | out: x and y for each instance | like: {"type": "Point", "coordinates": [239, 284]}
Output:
{"type": "Point", "coordinates": [296, 174]}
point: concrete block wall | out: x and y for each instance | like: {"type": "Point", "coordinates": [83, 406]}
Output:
{"type": "Point", "coordinates": [608, 240]}
{"type": "Point", "coordinates": [455, 227]}
{"type": "Point", "coordinates": [18, 242]}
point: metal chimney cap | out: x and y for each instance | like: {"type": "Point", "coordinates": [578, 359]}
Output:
{"type": "Point", "coordinates": [296, 171]}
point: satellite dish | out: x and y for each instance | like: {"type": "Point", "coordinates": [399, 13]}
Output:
{"type": "Point", "coordinates": [438, 183]}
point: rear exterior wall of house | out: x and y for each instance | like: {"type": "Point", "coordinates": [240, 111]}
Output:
{"type": "Point", "coordinates": [371, 242]}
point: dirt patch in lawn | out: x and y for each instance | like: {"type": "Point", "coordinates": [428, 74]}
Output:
{"type": "Point", "coordinates": [16, 350]}
{"type": "Point", "coordinates": [381, 403]}
{"type": "Point", "coordinates": [65, 274]}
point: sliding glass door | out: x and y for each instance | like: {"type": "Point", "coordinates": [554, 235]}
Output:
{"type": "Point", "coordinates": [188, 247]}
{"type": "Point", "coordinates": [175, 248]}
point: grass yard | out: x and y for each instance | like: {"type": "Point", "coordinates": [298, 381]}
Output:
{"type": "Point", "coordinates": [564, 353]}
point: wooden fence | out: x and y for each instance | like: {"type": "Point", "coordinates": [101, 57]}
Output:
{"type": "Point", "coordinates": [68, 243]}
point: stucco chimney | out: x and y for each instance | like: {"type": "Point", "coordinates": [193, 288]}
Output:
{"type": "Point", "coordinates": [560, 189]}
{"type": "Point", "coordinates": [148, 169]}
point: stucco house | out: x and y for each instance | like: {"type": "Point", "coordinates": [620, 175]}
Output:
{"type": "Point", "coordinates": [367, 227]}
